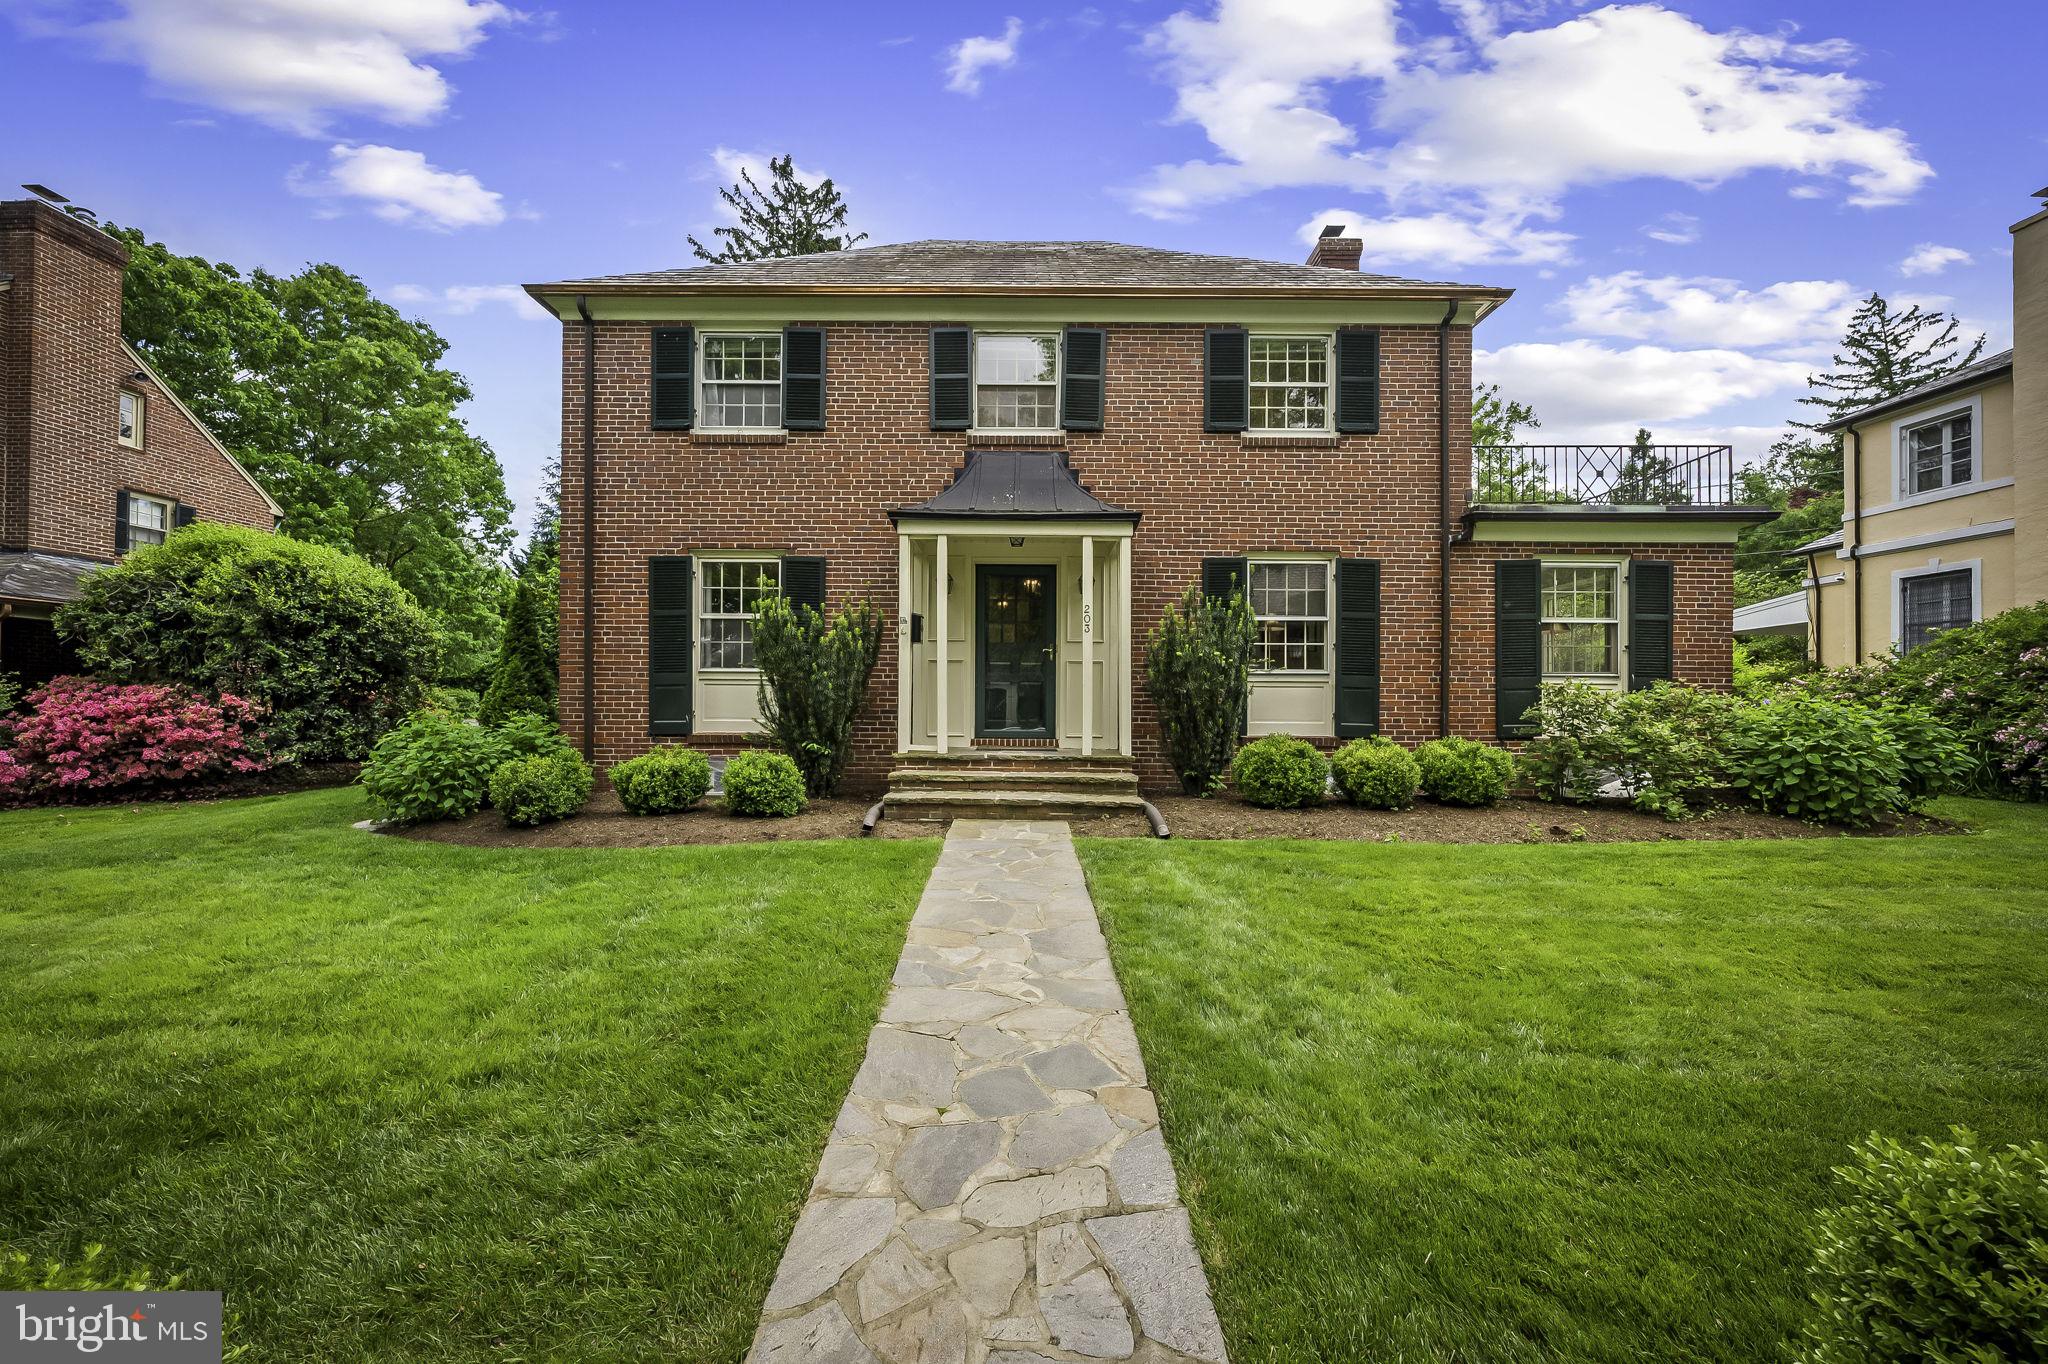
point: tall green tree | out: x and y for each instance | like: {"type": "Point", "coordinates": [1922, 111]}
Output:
{"type": "Point", "coordinates": [343, 410]}
{"type": "Point", "coordinates": [1883, 354]}
{"type": "Point", "coordinates": [1646, 476]}
{"type": "Point", "coordinates": [788, 218]}
{"type": "Point", "coordinates": [524, 675]}
{"type": "Point", "coordinates": [1501, 473]}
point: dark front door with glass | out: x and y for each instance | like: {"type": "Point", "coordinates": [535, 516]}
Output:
{"type": "Point", "coordinates": [1014, 624]}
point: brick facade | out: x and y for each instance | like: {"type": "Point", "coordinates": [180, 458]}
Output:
{"type": "Point", "coordinates": [828, 492]}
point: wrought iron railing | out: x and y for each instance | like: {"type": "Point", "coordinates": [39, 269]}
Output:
{"type": "Point", "coordinates": [1606, 475]}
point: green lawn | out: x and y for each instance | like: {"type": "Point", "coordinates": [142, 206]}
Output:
{"type": "Point", "coordinates": [1497, 1104]}
{"type": "Point", "coordinates": [411, 1101]}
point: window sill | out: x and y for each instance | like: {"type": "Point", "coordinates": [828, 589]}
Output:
{"type": "Point", "coordinates": [739, 437]}
{"type": "Point", "coordinates": [1040, 439]}
{"type": "Point", "coordinates": [1288, 440]}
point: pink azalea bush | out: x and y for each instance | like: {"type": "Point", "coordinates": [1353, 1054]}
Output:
{"type": "Point", "coordinates": [79, 738]}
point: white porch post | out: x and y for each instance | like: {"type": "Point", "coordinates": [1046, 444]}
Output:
{"type": "Point", "coordinates": [903, 668]}
{"type": "Point", "coordinates": [1127, 683]}
{"type": "Point", "coordinates": [1087, 645]}
{"type": "Point", "coordinates": [939, 632]}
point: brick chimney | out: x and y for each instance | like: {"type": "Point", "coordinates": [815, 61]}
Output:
{"type": "Point", "coordinates": [1336, 250]}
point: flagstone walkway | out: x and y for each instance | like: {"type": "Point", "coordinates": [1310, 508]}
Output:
{"type": "Point", "coordinates": [996, 1190]}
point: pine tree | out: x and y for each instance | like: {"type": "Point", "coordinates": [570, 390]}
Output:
{"type": "Point", "coordinates": [789, 218]}
{"type": "Point", "coordinates": [523, 678]}
{"type": "Point", "coordinates": [1646, 477]}
{"type": "Point", "coordinates": [1884, 354]}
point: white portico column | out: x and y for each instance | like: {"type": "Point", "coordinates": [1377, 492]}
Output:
{"type": "Point", "coordinates": [1125, 682]}
{"type": "Point", "coordinates": [939, 638]}
{"type": "Point", "coordinates": [903, 664]}
{"type": "Point", "coordinates": [1087, 645]}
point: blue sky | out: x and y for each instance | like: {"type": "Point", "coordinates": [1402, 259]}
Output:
{"type": "Point", "coordinates": [1687, 198]}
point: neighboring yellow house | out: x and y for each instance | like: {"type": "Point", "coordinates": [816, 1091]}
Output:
{"type": "Point", "coordinates": [1947, 494]}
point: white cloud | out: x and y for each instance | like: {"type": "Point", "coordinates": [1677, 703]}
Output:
{"type": "Point", "coordinates": [1585, 391]}
{"type": "Point", "coordinates": [298, 63]}
{"type": "Point", "coordinates": [401, 187]}
{"type": "Point", "coordinates": [1445, 239]}
{"type": "Point", "coordinates": [1507, 119]}
{"type": "Point", "coordinates": [1930, 259]}
{"type": "Point", "coordinates": [1678, 229]}
{"type": "Point", "coordinates": [1709, 312]}
{"type": "Point", "coordinates": [969, 57]}
{"type": "Point", "coordinates": [464, 299]}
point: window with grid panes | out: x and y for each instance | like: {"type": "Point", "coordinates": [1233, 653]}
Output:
{"type": "Point", "coordinates": [1932, 602]}
{"type": "Point", "coordinates": [1939, 454]}
{"type": "Point", "coordinates": [1581, 622]}
{"type": "Point", "coordinates": [742, 385]}
{"type": "Point", "coordinates": [1290, 383]}
{"type": "Point", "coordinates": [1016, 382]}
{"type": "Point", "coordinates": [149, 519]}
{"type": "Point", "coordinates": [730, 598]}
{"type": "Point", "coordinates": [1291, 601]}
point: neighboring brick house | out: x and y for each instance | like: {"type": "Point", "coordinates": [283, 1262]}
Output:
{"type": "Point", "coordinates": [1066, 435]}
{"type": "Point", "coordinates": [96, 453]}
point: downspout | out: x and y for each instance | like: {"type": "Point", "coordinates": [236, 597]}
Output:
{"type": "Point", "coordinates": [1813, 576]}
{"type": "Point", "coordinates": [1443, 515]}
{"type": "Point", "coordinates": [589, 529]}
{"type": "Point", "coordinates": [1856, 529]}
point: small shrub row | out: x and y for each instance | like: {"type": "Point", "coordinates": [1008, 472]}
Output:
{"type": "Point", "coordinates": [669, 780]}
{"type": "Point", "coordinates": [1281, 772]}
{"type": "Point", "coordinates": [435, 766]}
{"type": "Point", "coordinates": [81, 739]}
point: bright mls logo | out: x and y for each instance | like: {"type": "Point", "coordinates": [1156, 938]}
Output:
{"type": "Point", "coordinates": [163, 1328]}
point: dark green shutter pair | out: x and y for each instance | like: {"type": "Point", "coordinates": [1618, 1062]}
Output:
{"type": "Point", "coordinates": [674, 400]}
{"type": "Point", "coordinates": [1518, 636]}
{"type": "Point", "coordinates": [1357, 645]}
{"type": "Point", "coordinates": [671, 618]}
{"type": "Point", "coordinates": [1226, 380]}
{"type": "Point", "coordinates": [1084, 363]}
{"type": "Point", "coordinates": [181, 516]}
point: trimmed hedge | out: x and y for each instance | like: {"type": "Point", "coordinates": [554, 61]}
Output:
{"type": "Point", "coordinates": [541, 789]}
{"type": "Point", "coordinates": [1461, 772]}
{"type": "Point", "coordinates": [1376, 773]}
{"type": "Point", "coordinates": [758, 782]}
{"type": "Point", "coordinates": [1280, 772]}
{"type": "Point", "coordinates": [662, 781]}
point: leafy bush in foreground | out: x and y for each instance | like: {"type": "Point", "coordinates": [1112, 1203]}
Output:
{"type": "Point", "coordinates": [1940, 1256]}
{"type": "Point", "coordinates": [1376, 773]}
{"type": "Point", "coordinates": [1198, 671]}
{"type": "Point", "coordinates": [662, 781]}
{"type": "Point", "coordinates": [1932, 759]}
{"type": "Point", "coordinates": [79, 737]}
{"type": "Point", "coordinates": [434, 767]}
{"type": "Point", "coordinates": [758, 782]}
{"type": "Point", "coordinates": [1461, 772]}
{"type": "Point", "coordinates": [1662, 747]}
{"type": "Point", "coordinates": [541, 789]}
{"type": "Point", "coordinates": [1280, 772]}
{"type": "Point", "coordinates": [1817, 760]}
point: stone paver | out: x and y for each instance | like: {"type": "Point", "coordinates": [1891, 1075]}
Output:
{"type": "Point", "coordinates": [996, 1189]}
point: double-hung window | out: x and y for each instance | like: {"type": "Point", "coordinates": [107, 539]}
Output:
{"type": "Point", "coordinates": [1581, 623]}
{"type": "Point", "coordinates": [129, 429]}
{"type": "Point", "coordinates": [1290, 383]}
{"type": "Point", "coordinates": [1932, 602]}
{"type": "Point", "coordinates": [1291, 601]}
{"type": "Point", "coordinates": [1939, 454]}
{"type": "Point", "coordinates": [149, 520]}
{"type": "Point", "coordinates": [1016, 381]}
{"type": "Point", "coordinates": [742, 384]}
{"type": "Point", "coordinates": [731, 593]}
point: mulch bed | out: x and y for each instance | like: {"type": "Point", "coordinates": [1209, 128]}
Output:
{"type": "Point", "coordinates": [605, 824]}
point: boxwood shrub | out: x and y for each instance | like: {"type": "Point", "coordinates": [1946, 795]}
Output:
{"type": "Point", "coordinates": [541, 789]}
{"type": "Point", "coordinates": [1376, 773]}
{"type": "Point", "coordinates": [662, 781]}
{"type": "Point", "coordinates": [758, 782]}
{"type": "Point", "coordinates": [1461, 772]}
{"type": "Point", "coordinates": [1280, 772]}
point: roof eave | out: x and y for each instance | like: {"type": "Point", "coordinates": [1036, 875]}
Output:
{"type": "Point", "coordinates": [1907, 402]}
{"type": "Point", "coordinates": [596, 289]}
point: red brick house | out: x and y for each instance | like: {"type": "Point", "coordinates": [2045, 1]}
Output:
{"type": "Point", "coordinates": [96, 453]}
{"type": "Point", "coordinates": [1023, 451]}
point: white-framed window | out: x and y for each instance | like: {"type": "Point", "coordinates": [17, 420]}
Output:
{"type": "Point", "coordinates": [1941, 453]}
{"type": "Point", "coordinates": [1016, 381]}
{"type": "Point", "coordinates": [1289, 383]}
{"type": "Point", "coordinates": [740, 388]}
{"type": "Point", "coordinates": [729, 593]}
{"type": "Point", "coordinates": [149, 520]}
{"type": "Point", "coordinates": [1932, 599]}
{"type": "Point", "coordinates": [1290, 598]}
{"type": "Point", "coordinates": [1581, 621]}
{"type": "Point", "coordinates": [129, 428]}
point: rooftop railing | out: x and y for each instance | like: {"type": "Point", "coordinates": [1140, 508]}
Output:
{"type": "Point", "coordinates": [1606, 475]}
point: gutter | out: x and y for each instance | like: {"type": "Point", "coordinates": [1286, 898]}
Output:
{"type": "Point", "coordinates": [1813, 626]}
{"type": "Point", "coordinates": [1445, 531]}
{"type": "Point", "coordinates": [1855, 457]}
{"type": "Point", "coordinates": [589, 530]}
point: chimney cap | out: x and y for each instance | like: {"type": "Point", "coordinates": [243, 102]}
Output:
{"type": "Point", "coordinates": [45, 192]}
{"type": "Point", "coordinates": [1337, 229]}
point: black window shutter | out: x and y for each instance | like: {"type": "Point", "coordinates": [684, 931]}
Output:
{"type": "Point", "coordinates": [1085, 359]}
{"type": "Point", "coordinates": [674, 401]}
{"type": "Point", "coordinates": [1225, 578]}
{"type": "Point", "coordinates": [1358, 648]}
{"type": "Point", "coordinates": [1649, 623]}
{"type": "Point", "coordinates": [1358, 380]}
{"type": "Point", "coordinates": [952, 378]}
{"type": "Point", "coordinates": [1517, 643]}
{"type": "Point", "coordinates": [803, 378]}
{"type": "Point", "coordinates": [1226, 401]}
{"type": "Point", "coordinates": [669, 619]}
{"type": "Point", "coordinates": [121, 521]}
{"type": "Point", "coordinates": [182, 515]}
{"type": "Point", "coordinates": [803, 580]}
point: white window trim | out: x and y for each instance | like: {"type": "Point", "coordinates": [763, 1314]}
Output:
{"type": "Point", "coordinates": [1618, 679]}
{"type": "Point", "coordinates": [1059, 370]}
{"type": "Point", "coordinates": [1932, 566]}
{"type": "Point", "coordinates": [700, 379]}
{"type": "Point", "coordinates": [698, 614]}
{"type": "Point", "coordinates": [170, 516]}
{"type": "Point", "coordinates": [141, 419]}
{"type": "Point", "coordinates": [1304, 675]}
{"type": "Point", "coordinates": [1902, 469]}
{"type": "Point", "coordinates": [1329, 386]}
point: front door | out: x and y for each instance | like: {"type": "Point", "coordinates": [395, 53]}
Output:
{"type": "Point", "coordinates": [1015, 664]}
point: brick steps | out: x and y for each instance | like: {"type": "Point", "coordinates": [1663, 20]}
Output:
{"type": "Point", "coordinates": [935, 804]}
{"type": "Point", "coordinates": [1011, 784]}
